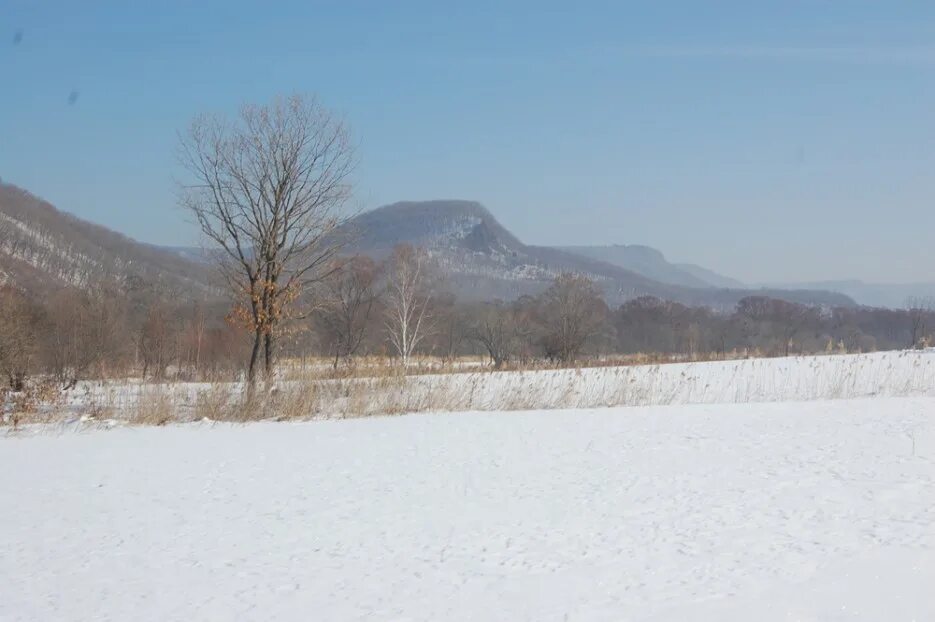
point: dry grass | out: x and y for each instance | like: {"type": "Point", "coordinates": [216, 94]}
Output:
{"type": "Point", "coordinates": [155, 405]}
{"type": "Point", "coordinates": [39, 402]}
{"type": "Point", "coordinates": [391, 391]}
{"type": "Point", "coordinates": [235, 403]}
{"type": "Point", "coordinates": [315, 369]}
{"type": "Point", "coordinates": [213, 403]}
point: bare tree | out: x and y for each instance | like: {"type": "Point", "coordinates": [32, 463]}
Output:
{"type": "Point", "coordinates": [196, 337]}
{"type": "Point", "coordinates": [774, 323]}
{"type": "Point", "coordinates": [19, 325]}
{"type": "Point", "coordinates": [154, 340]}
{"type": "Point", "coordinates": [408, 300]}
{"type": "Point", "coordinates": [449, 324]}
{"type": "Point", "coordinates": [498, 330]}
{"type": "Point", "coordinates": [268, 191]}
{"type": "Point", "coordinates": [920, 310]}
{"type": "Point", "coordinates": [791, 318]}
{"type": "Point", "coordinates": [753, 314]}
{"type": "Point", "coordinates": [69, 337]}
{"type": "Point", "coordinates": [573, 311]}
{"type": "Point", "coordinates": [347, 299]}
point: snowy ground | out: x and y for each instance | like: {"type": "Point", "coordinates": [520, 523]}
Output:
{"type": "Point", "coordinates": [778, 511]}
{"type": "Point", "coordinates": [799, 378]}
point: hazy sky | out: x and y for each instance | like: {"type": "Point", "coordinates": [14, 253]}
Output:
{"type": "Point", "coordinates": [791, 143]}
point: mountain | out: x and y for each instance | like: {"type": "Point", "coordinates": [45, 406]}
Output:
{"type": "Point", "coordinates": [481, 260]}
{"type": "Point", "coordinates": [712, 278]}
{"type": "Point", "coordinates": [652, 263]}
{"type": "Point", "coordinates": [891, 295]}
{"type": "Point", "coordinates": [42, 248]}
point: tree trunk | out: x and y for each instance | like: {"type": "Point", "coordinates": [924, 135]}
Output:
{"type": "Point", "coordinates": [270, 354]}
{"type": "Point", "coordinates": [254, 356]}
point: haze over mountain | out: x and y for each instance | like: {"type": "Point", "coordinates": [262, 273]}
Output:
{"type": "Point", "coordinates": [42, 248]}
{"type": "Point", "coordinates": [652, 263]}
{"type": "Point", "coordinates": [710, 276]}
{"type": "Point", "coordinates": [892, 295]}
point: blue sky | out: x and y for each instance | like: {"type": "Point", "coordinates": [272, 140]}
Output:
{"type": "Point", "coordinates": [780, 141]}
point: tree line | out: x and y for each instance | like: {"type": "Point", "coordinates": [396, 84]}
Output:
{"type": "Point", "coordinates": [399, 309]}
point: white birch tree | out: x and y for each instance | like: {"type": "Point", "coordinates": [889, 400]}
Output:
{"type": "Point", "coordinates": [408, 317]}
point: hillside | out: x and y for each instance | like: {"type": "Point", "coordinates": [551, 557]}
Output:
{"type": "Point", "coordinates": [42, 248]}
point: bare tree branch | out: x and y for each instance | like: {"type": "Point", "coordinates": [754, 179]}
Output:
{"type": "Point", "coordinates": [268, 190]}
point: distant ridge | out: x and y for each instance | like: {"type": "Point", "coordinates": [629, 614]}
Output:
{"type": "Point", "coordinates": [889, 295]}
{"type": "Point", "coordinates": [42, 248]}
{"type": "Point", "coordinates": [481, 259]}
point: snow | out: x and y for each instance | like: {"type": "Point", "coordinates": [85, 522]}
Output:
{"type": "Point", "coordinates": [903, 373]}
{"type": "Point", "coordinates": [817, 510]}
{"type": "Point", "coordinates": [799, 378]}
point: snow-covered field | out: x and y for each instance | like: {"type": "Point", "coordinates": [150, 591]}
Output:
{"type": "Point", "coordinates": [818, 510]}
